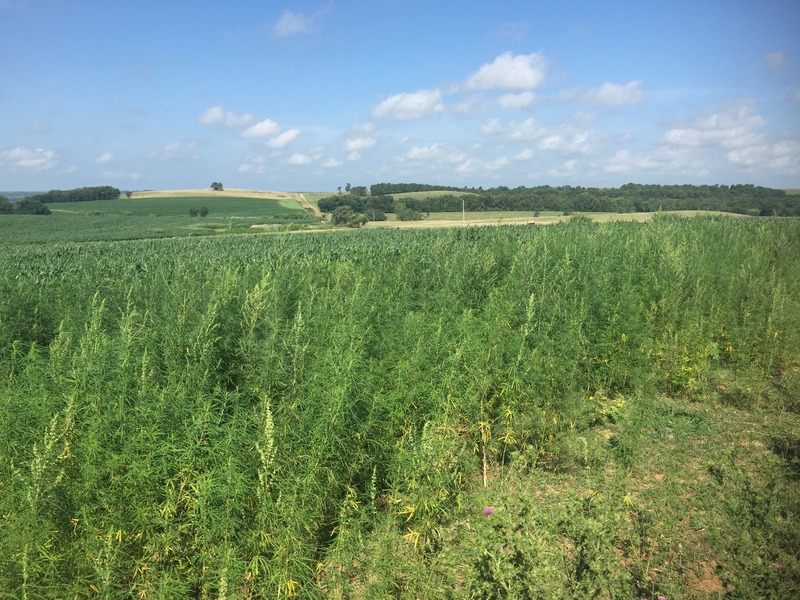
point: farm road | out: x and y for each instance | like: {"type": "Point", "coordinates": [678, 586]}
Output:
{"type": "Point", "coordinates": [306, 204]}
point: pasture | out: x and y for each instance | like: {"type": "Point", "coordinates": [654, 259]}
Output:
{"type": "Point", "coordinates": [584, 410]}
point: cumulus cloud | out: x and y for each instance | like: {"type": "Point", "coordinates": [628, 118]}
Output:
{"type": "Point", "coordinates": [293, 23]}
{"type": "Point", "coordinates": [491, 127]}
{"type": "Point", "coordinates": [104, 158]}
{"type": "Point", "coordinates": [410, 105]}
{"type": "Point", "coordinates": [780, 155]}
{"type": "Point", "coordinates": [568, 168]}
{"type": "Point", "coordinates": [521, 72]}
{"type": "Point", "coordinates": [437, 153]}
{"type": "Point", "coordinates": [265, 128]}
{"type": "Point", "coordinates": [360, 143]}
{"type": "Point", "coordinates": [524, 131]}
{"type": "Point", "coordinates": [516, 101]}
{"type": "Point", "coordinates": [524, 154]}
{"type": "Point", "coordinates": [299, 159]}
{"type": "Point", "coordinates": [284, 139]}
{"type": "Point", "coordinates": [731, 126]}
{"type": "Point", "coordinates": [331, 163]}
{"type": "Point", "coordinates": [574, 136]}
{"type": "Point", "coordinates": [624, 161]}
{"type": "Point", "coordinates": [22, 157]}
{"type": "Point", "coordinates": [218, 115]}
{"type": "Point", "coordinates": [615, 94]}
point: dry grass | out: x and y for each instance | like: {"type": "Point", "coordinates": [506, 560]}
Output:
{"type": "Point", "coordinates": [230, 193]}
{"type": "Point", "coordinates": [524, 218]}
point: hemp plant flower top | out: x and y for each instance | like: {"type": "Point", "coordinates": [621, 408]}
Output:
{"type": "Point", "coordinates": [488, 510]}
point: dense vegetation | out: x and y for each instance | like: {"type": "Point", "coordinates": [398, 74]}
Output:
{"type": "Point", "coordinates": [141, 218]}
{"type": "Point", "coordinates": [103, 192]}
{"type": "Point", "coordinates": [742, 199]}
{"type": "Point", "coordinates": [25, 206]}
{"type": "Point", "coordinates": [458, 413]}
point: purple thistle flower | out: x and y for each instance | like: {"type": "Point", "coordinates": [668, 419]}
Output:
{"type": "Point", "coordinates": [488, 510]}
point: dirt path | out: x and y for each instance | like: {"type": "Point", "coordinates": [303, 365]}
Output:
{"type": "Point", "coordinates": [306, 204]}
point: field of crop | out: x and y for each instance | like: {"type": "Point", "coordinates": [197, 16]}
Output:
{"type": "Point", "coordinates": [157, 215]}
{"type": "Point", "coordinates": [584, 410]}
{"type": "Point", "coordinates": [227, 206]}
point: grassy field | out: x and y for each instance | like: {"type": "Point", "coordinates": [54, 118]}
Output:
{"type": "Point", "coordinates": [224, 204]}
{"type": "Point", "coordinates": [584, 410]}
{"type": "Point", "coordinates": [159, 214]}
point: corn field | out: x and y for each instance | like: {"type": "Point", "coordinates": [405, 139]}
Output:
{"type": "Point", "coordinates": [255, 416]}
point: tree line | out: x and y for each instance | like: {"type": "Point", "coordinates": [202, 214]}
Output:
{"type": "Point", "coordinates": [742, 199]}
{"type": "Point", "coordinates": [26, 206]}
{"type": "Point", "coordinates": [103, 192]}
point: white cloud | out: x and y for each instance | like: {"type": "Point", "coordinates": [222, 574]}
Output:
{"type": "Point", "coordinates": [776, 61]}
{"type": "Point", "coordinates": [284, 139]}
{"type": "Point", "coordinates": [292, 23]}
{"type": "Point", "coordinates": [28, 158]}
{"type": "Point", "coordinates": [265, 128]}
{"type": "Point", "coordinates": [354, 156]}
{"type": "Point", "coordinates": [361, 129]}
{"type": "Point", "coordinates": [516, 101]}
{"type": "Point", "coordinates": [299, 159]}
{"type": "Point", "coordinates": [521, 72]}
{"type": "Point", "coordinates": [331, 163]}
{"type": "Point", "coordinates": [574, 136]}
{"type": "Point", "coordinates": [492, 127]}
{"type": "Point", "coordinates": [730, 127]}
{"type": "Point", "coordinates": [434, 153]}
{"type": "Point", "coordinates": [525, 131]}
{"type": "Point", "coordinates": [568, 168]}
{"type": "Point", "coordinates": [624, 161]}
{"type": "Point", "coordinates": [615, 94]}
{"type": "Point", "coordinates": [410, 105]}
{"type": "Point", "coordinates": [104, 158]}
{"type": "Point", "coordinates": [658, 160]}
{"type": "Point", "coordinates": [781, 155]}
{"type": "Point", "coordinates": [217, 114]}
{"type": "Point", "coordinates": [361, 143]}
{"type": "Point", "coordinates": [173, 151]}
{"type": "Point", "coordinates": [524, 154]}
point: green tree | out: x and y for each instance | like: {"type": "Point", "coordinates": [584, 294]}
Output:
{"type": "Point", "coordinates": [31, 206]}
{"type": "Point", "coordinates": [5, 206]}
{"type": "Point", "coordinates": [216, 186]}
{"type": "Point", "coordinates": [406, 214]}
{"type": "Point", "coordinates": [347, 217]}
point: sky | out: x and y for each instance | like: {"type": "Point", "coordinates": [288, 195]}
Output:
{"type": "Point", "coordinates": [313, 95]}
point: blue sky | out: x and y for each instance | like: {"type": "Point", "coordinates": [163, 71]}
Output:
{"type": "Point", "coordinates": [309, 96]}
